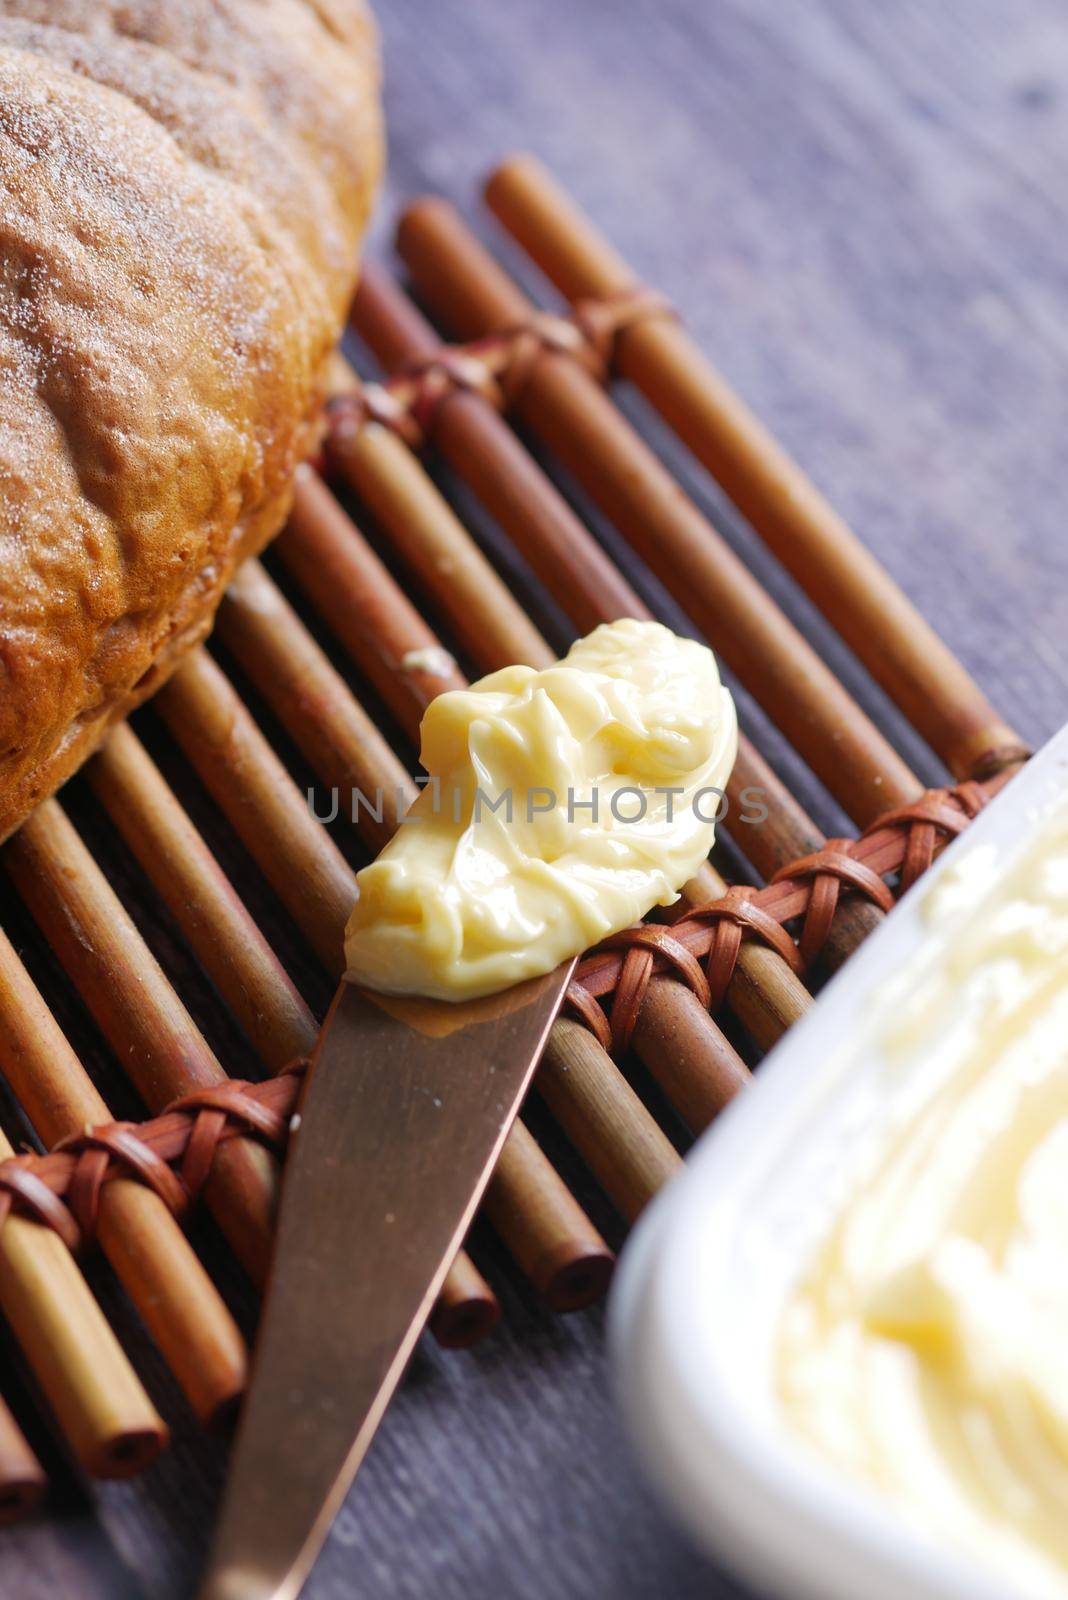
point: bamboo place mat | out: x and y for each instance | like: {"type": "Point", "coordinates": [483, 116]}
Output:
{"type": "Point", "coordinates": [200, 1013]}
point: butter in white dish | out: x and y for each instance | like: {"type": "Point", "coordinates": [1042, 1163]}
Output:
{"type": "Point", "coordinates": [923, 1350]}
{"type": "Point", "coordinates": [560, 806]}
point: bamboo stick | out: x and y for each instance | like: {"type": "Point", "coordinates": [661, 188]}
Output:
{"type": "Point", "coordinates": [560, 1262]}
{"type": "Point", "coordinates": [438, 547]}
{"type": "Point", "coordinates": [626, 1151]}
{"type": "Point", "coordinates": [345, 580]}
{"type": "Point", "coordinates": [480, 446]}
{"type": "Point", "coordinates": [582, 426]}
{"type": "Point", "coordinates": [22, 1480]}
{"type": "Point", "coordinates": [689, 1057]}
{"type": "Point", "coordinates": [203, 901]}
{"type": "Point", "coordinates": [263, 805]}
{"type": "Point", "coordinates": [111, 1425]}
{"type": "Point", "coordinates": [308, 694]}
{"type": "Point", "coordinates": [466, 1310]}
{"type": "Point", "coordinates": [153, 1036]}
{"type": "Point", "coordinates": [150, 1254]}
{"type": "Point", "coordinates": [529, 1186]}
{"type": "Point", "coordinates": [321, 537]}
{"type": "Point", "coordinates": [887, 632]}
{"type": "Point", "coordinates": [314, 705]}
{"type": "Point", "coordinates": [481, 610]}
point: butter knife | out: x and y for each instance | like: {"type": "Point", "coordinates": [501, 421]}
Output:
{"type": "Point", "coordinates": [407, 1105]}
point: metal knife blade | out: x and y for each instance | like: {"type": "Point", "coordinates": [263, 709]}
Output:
{"type": "Point", "coordinates": [406, 1109]}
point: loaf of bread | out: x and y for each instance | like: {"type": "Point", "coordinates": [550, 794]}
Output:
{"type": "Point", "coordinates": [183, 186]}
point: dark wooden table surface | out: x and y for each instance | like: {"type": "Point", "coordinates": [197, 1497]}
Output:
{"type": "Point", "coordinates": [860, 211]}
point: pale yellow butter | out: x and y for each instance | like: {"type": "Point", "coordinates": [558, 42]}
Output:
{"type": "Point", "coordinates": [503, 868]}
{"type": "Point", "coordinates": [926, 1349]}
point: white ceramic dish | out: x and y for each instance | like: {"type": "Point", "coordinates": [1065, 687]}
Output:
{"type": "Point", "coordinates": [704, 1280]}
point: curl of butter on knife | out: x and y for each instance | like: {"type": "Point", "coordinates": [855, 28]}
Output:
{"type": "Point", "coordinates": [559, 807]}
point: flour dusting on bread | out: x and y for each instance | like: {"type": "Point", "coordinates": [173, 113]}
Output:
{"type": "Point", "coordinates": [182, 191]}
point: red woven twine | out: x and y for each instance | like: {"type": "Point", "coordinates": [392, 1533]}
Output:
{"type": "Point", "coordinates": [173, 1154]}
{"type": "Point", "coordinates": [496, 367]}
{"type": "Point", "coordinates": [701, 950]}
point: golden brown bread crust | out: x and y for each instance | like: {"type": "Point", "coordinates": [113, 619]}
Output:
{"type": "Point", "coordinates": [183, 185]}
